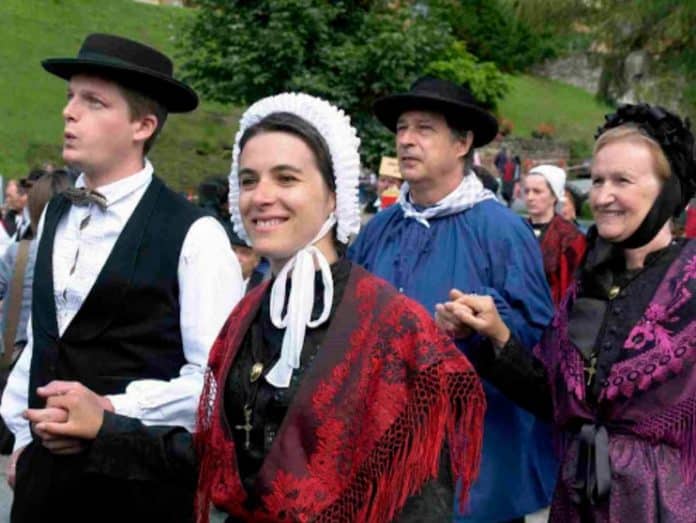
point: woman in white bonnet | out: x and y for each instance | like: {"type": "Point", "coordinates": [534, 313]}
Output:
{"type": "Point", "coordinates": [562, 244]}
{"type": "Point", "coordinates": [330, 395]}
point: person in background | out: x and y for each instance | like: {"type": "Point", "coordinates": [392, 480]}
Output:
{"type": "Point", "coordinates": [690, 222]}
{"type": "Point", "coordinates": [212, 197]}
{"type": "Point", "coordinates": [15, 202]}
{"type": "Point", "coordinates": [15, 220]}
{"type": "Point", "coordinates": [615, 369]}
{"type": "Point", "coordinates": [331, 394]}
{"type": "Point", "coordinates": [388, 184]}
{"type": "Point", "coordinates": [562, 243]}
{"type": "Point", "coordinates": [572, 206]}
{"type": "Point", "coordinates": [25, 184]}
{"type": "Point", "coordinates": [489, 181]}
{"type": "Point", "coordinates": [255, 269]}
{"type": "Point", "coordinates": [16, 279]}
{"type": "Point", "coordinates": [448, 232]}
{"type": "Point", "coordinates": [131, 285]}
{"type": "Point", "coordinates": [500, 160]}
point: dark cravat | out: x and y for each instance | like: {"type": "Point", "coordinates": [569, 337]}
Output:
{"type": "Point", "coordinates": [82, 197]}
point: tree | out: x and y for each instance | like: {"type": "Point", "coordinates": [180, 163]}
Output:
{"type": "Point", "coordinates": [662, 29]}
{"type": "Point", "coordinates": [350, 52]}
{"type": "Point", "coordinates": [493, 32]}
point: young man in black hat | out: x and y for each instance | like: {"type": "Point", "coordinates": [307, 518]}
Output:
{"type": "Point", "coordinates": [132, 285]}
{"type": "Point", "coordinates": [448, 234]}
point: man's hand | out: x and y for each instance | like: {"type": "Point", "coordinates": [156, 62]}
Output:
{"type": "Point", "coordinates": [72, 415]}
{"type": "Point", "coordinates": [447, 316]}
{"type": "Point", "coordinates": [467, 312]}
{"type": "Point", "coordinates": [11, 469]}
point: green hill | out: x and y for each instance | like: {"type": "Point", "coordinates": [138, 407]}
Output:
{"type": "Point", "coordinates": [197, 145]}
{"type": "Point", "coordinates": [31, 100]}
{"type": "Point", "coordinates": [575, 114]}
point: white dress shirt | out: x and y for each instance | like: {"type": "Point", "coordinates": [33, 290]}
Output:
{"type": "Point", "coordinates": [210, 285]}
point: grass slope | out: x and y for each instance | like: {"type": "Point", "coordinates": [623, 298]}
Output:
{"type": "Point", "coordinates": [574, 113]}
{"type": "Point", "coordinates": [191, 146]}
{"type": "Point", "coordinates": [197, 145]}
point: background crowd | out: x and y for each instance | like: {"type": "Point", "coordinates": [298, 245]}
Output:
{"type": "Point", "coordinates": [284, 351]}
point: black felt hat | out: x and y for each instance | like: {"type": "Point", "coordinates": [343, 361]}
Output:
{"type": "Point", "coordinates": [444, 97]}
{"type": "Point", "coordinates": [131, 64]}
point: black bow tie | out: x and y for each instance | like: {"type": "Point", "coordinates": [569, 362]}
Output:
{"type": "Point", "coordinates": [82, 197]}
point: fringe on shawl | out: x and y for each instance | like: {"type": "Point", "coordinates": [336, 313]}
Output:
{"type": "Point", "coordinates": [686, 434]}
{"type": "Point", "coordinates": [676, 425]}
{"type": "Point", "coordinates": [397, 470]}
{"type": "Point", "coordinates": [211, 447]}
{"type": "Point", "coordinates": [201, 440]}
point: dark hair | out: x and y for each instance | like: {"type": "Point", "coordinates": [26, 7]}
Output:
{"type": "Point", "coordinates": [292, 124]}
{"type": "Point", "coordinates": [459, 133]}
{"type": "Point", "coordinates": [489, 181]}
{"type": "Point", "coordinates": [302, 129]}
{"type": "Point", "coordinates": [141, 105]}
{"type": "Point", "coordinates": [42, 190]}
{"type": "Point", "coordinates": [575, 197]}
{"type": "Point", "coordinates": [26, 183]}
{"type": "Point", "coordinates": [212, 196]}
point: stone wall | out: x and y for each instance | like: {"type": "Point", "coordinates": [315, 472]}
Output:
{"type": "Point", "coordinates": [532, 151]}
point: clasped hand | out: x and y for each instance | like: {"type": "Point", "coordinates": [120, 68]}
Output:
{"type": "Point", "coordinates": [72, 416]}
{"type": "Point", "coordinates": [466, 313]}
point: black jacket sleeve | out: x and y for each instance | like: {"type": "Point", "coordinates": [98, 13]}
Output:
{"type": "Point", "coordinates": [515, 371]}
{"type": "Point", "coordinates": [125, 448]}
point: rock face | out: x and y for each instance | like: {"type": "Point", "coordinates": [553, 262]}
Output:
{"type": "Point", "coordinates": [582, 70]}
{"type": "Point", "coordinates": [639, 77]}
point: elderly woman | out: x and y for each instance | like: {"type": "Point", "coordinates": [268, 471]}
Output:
{"type": "Point", "coordinates": [330, 394]}
{"type": "Point", "coordinates": [562, 244]}
{"type": "Point", "coordinates": [615, 370]}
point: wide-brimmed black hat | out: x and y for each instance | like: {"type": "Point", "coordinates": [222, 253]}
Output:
{"type": "Point", "coordinates": [444, 97]}
{"type": "Point", "coordinates": [131, 64]}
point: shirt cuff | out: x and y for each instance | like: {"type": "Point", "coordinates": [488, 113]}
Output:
{"type": "Point", "coordinates": [125, 405]}
{"type": "Point", "coordinates": [22, 439]}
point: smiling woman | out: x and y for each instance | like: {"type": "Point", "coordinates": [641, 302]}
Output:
{"type": "Point", "coordinates": [615, 371]}
{"type": "Point", "coordinates": [628, 172]}
{"type": "Point", "coordinates": [330, 394]}
{"type": "Point", "coordinates": [285, 198]}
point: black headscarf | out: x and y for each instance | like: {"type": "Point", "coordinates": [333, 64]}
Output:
{"type": "Point", "coordinates": [677, 142]}
{"type": "Point", "coordinates": [604, 259]}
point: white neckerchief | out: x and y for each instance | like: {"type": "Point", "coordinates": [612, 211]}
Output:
{"type": "Point", "coordinates": [300, 304]}
{"type": "Point", "coordinates": [469, 192]}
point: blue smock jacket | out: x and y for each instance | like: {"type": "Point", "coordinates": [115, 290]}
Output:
{"type": "Point", "coordinates": [486, 249]}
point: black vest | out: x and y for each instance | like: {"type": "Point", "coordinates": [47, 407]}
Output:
{"type": "Point", "coordinates": [128, 326]}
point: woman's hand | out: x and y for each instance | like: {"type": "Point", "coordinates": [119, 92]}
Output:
{"type": "Point", "coordinates": [467, 312]}
{"type": "Point", "coordinates": [83, 412]}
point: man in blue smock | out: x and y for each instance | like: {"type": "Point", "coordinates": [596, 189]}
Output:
{"type": "Point", "coordinates": [448, 232]}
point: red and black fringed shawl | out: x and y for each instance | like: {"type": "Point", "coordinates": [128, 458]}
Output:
{"type": "Point", "coordinates": [562, 247]}
{"type": "Point", "coordinates": [367, 424]}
